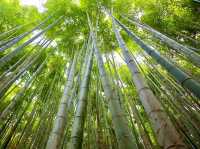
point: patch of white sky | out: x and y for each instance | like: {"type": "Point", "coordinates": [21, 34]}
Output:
{"type": "Point", "coordinates": [37, 40]}
{"type": "Point", "coordinates": [106, 18]}
{"type": "Point", "coordinates": [39, 4]}
{"type": "Point", "coordinates": [117, 58]}
{"type": "Point", "coordinates": [119, 61]}
{"type": "Point", "coordinates": [77, 2]}
{"type": "Point", "coordinates": [139, 15]}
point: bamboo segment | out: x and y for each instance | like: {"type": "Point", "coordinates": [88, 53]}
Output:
{"type": "Point", "coordinates": [184, 79]}
{"type": "Point", "coordinates": [192, 56]}
{"type": "Point", "coordinates": [12, 77]}
{"type": "Point", "coordinates": [8, 57]}
{"type": "Point", "coordinates": [18, 96]}
{"type": "Point", "coordinates": [124, 136]}
{"type": "Point", "coordinates": [78, 125]}
{"type": "Point", "coordinates": [57, 133]}
{"type": "Point", "coordinates": [15, 40]}
{"type": "Point", "coordinates": [166, 133]}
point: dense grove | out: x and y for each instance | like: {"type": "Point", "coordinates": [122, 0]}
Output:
{"type": "Point", "coordinates": [100, 74]}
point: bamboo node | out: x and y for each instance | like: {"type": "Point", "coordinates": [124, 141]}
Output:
{"type": "Point", "coordinates": [182, 83]}
{"type": "Point", "coordinates": [154, 111]}
{"type": "Point", "coordinates": [176, 146]}
{"type": "Point", "coordinates": [143, 88]}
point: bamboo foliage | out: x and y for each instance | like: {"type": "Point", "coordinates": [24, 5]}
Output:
{"type": "Point", "coordinates": [8, 80]}
{"type": "Point", "coordinates": [54, 94]}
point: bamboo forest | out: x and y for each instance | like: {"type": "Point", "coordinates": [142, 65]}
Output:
{"type": "Point", "coordinates": [99, 74]}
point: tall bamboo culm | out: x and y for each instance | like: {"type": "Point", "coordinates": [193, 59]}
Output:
{"type": "Point", "coordinates": [185, 80]}
{"type": "Point", "coordinates": [78, 124]}
{"type": "Point", "coordinates": [189, 53]}
{"type": "Point", "coordinates": [166, 133]}
{"type": "Point", "coordinates": [56, 136]}
{"type": "Point", "coordinates": [124, 136]}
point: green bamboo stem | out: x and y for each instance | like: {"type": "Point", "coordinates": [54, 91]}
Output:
{"type": "Point", "coordinates": [77, 129]}
{"type": "Point", "coordinates": [59, 124]}
{"type": "Point", "coordinates": [185, 80]}
{"type": "Point", "coordinates": [124, 136]}
{"type": "Point", "coordinates": [166, 134]}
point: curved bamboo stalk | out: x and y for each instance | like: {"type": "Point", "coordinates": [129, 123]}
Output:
{"type": "Point", "coordinates": [18, 96]}
{"type": "Point", "coordinates": [8, 57]}
{"type": "Point", "coordinates": [189, 53]}
{"type": "Point", "coordinates": [171, 104]}
{"type": "Point", "coordinates": [9, 136]}
{"type": "Point", "coordinates": [20, 60]}
{"type": "Point", "coordinates": [143, 134]}
{"type": "Point", "coordinates": [13, 29]}
{"type": "Point", "coordinates": [198, 1]}
{"type": "Point", "coordinates": [5, 84]}
{"type": "Point", "coordinates": [194, 41]}
{"type": "Point", "coordinates": [45, 114]}
{"type": "Point", "coordinates": [18, 38]}
{"type": "Point", "coordinates": [184, 79]}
